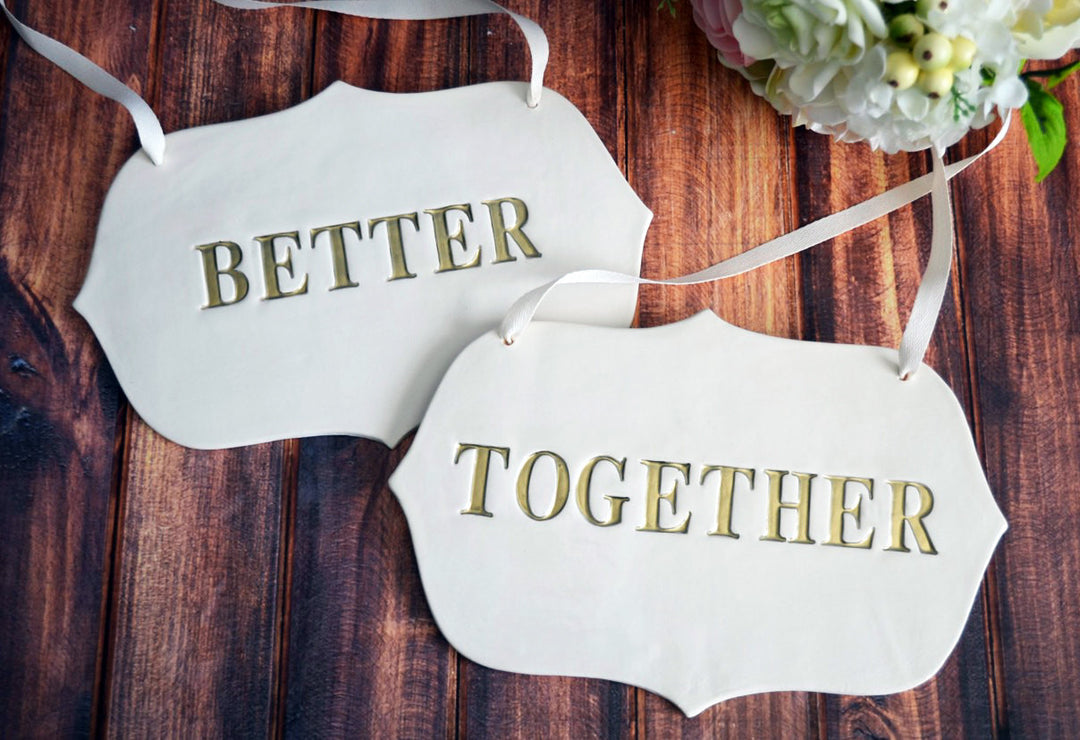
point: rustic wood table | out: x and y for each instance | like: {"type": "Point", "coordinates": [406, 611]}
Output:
{"type": "Point", "coordinates": [149, 589]}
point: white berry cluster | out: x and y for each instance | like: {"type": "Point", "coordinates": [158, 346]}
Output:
{"type": "Point", "coordinates": [900, 75]}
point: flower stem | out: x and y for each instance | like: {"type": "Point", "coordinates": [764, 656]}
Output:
{"type": "Point", "coordinates": [1049, 72]}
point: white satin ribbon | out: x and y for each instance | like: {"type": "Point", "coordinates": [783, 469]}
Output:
{"type": "Point", "coordinates": [423, 10]}
{"type": "Point", "coordinates": [931, 291]}
{"type": "Point", "coordinates": [935, 279]}
{"type": "Point", "coordinates": [151, 135]}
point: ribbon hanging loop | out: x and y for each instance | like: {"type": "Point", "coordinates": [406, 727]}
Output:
{"type": "Point", "coordinates": [406, 10]}
{"type": "Point", "coordinates": [924, 313]}
{"type": "Point", "coordinates": [151, 134]}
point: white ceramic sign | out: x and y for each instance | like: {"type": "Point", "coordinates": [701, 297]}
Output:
{"type": "Point", "coordinates": [315, 271]}
{"type": "Point", "coordinates": [698, 510]}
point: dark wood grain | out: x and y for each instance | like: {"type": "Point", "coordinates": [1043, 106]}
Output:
{"type": "Point", "coordinates": [59, 403]}
{"type": "Point", "coordinates": [859, 289]}
{"type": "Point", "coordinates": [1021, 279]}
{"type": "Point", "coordinates": [151, 590]}
{"type": "Point", "coordinates": [196, 600]}
{"type": "Point", "coordinates": [714, 163]}
{"type": "Point", "coordinates": [364, 655]}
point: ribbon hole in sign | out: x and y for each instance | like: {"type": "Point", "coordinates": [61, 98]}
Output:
{"type": "Point", "coordinates": [211, 279]}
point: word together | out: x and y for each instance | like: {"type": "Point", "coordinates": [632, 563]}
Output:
{"type": "Point", "coordinates": [841, 488]}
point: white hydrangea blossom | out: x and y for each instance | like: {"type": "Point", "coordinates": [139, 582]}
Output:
{"type": "Point", "coordinates": [1047, 29]}
{"type": "Point", "coordinates": [844, 92]}
{"type": "Point", "coordinates": [799, 32]}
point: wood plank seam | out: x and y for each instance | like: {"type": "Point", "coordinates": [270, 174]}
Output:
{"type": "Point", "coordinates": [817, 702]}
{"type": "Point", "coordinates": [155, 82]}
{"type": "Point", "coordinates": [460, 699]}
{"type": "Point", "coordinates": [106, 636]}
{"type": "Point", "coordinates": [290, 491]}
{"type": "Point", "coordinates": [316, 23]}
{"type": "Point", "coordinates": [7, 51]}
{"type": "Point", "coordinates": [999, 717]}
{"type": "Point", "coordinates": [989, 592]}
{"type": "Point", "coordinates": [637, 695]}
{"type": "Point", "coordinates": [290, 474]}
{"type": "Point", "coordinates": [459, 702]}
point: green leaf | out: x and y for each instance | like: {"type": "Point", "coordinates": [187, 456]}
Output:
{"type": "Point", "coordinates": [669, 4]}
{"type": "Point", "coordinates": [1059, 75]}
{"type": "Point", "coordinates": [1045, 125]}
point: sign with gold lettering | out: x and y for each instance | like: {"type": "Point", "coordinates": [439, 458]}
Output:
{"type": "Point", "coordinates": [316, 270]}
{"type": "Point", "coordinates": [698, 510]}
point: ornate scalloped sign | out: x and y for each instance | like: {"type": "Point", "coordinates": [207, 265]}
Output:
{"type": "Point", "coordinates": [698, 510]}
{"type": "Point", "coordinates": [315, 271]}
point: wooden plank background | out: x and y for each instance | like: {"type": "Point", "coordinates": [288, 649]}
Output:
{"type": "Point", "coordinates": [147, 589]}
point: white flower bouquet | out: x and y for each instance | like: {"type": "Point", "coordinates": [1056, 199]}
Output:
{"type": "Point", "coordinates": [905, 75]}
